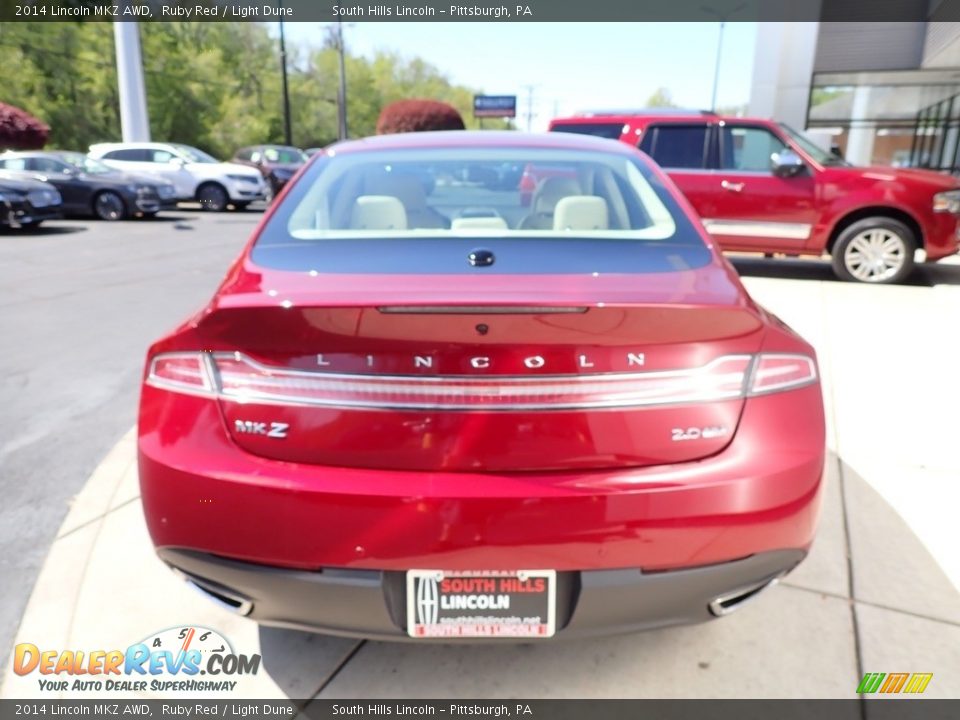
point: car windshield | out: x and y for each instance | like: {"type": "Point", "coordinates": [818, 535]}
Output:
{"type": "Point", "coordinates": [194, 155]}
{"type": "Point", "coordinates": [444, 197]}
{"type": "Point", "coordinates": [86, 164]}
{"type": "Point", "coordinates": [284, 155]}
{"type": "Point", "coordinates": [812, 149]}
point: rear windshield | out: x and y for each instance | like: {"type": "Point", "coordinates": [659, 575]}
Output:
{"type": "Point", "coordinates": [415, 210]}
{"type": "Point", "coordinates": [610, 131]}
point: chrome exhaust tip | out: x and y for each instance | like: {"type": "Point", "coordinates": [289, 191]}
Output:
{"type": "Point", "coordinates": [226, 599]}
{"type": "Point", "coordinates": [735, 599]}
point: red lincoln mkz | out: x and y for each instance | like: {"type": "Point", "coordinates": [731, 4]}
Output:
{"type": "Point", "coordinates": [417, 407]}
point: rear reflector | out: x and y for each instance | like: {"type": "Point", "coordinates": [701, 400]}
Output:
{"type": "Point", "coordinates": [234, 377]}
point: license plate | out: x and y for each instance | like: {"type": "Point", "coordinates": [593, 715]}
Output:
{"type": "Point", "coordinates": [507, 604]}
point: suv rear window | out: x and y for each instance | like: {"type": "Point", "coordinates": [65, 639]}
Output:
{"type": "Point", "coordinates": [676, 146]}
{"type": "Point", "coordinates": [423, 209]}
{"type": "Point", "coordinates": [610, 131]}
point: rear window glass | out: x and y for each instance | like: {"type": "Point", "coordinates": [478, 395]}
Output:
{"type": "Point", "coordinates": [350, 212]}
{"type": "Point", "coordinates": [610, 131]}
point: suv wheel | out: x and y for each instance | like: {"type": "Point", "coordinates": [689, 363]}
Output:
{"type": "Point", "coordinates": [875, 250]}
{"type": "Point", "coordinates": [107, 205]}
{"type": "Point", "coordinates": [213, 197]}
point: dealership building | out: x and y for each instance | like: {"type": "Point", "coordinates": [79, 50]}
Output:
{"type": "Point", "coordinates": [881, 93]}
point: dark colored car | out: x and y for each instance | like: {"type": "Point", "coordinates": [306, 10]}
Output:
{"type": "Point", "coordinates": [760, 186]}
{"type": "Point", "coordinates": [25, 201]}
{"type": "Point", "coordinates": [278, 163]}
{"type": "Point", "coordinates": [88, 187]}
{"type": "Point", "coordinates": [424, 416]}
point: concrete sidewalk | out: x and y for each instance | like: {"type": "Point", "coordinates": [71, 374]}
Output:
{"type": "Point", "coordinates": [877, 594]}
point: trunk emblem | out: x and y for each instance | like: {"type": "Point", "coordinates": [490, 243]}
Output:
{"type": "Point", "coordinates": [481, 257]}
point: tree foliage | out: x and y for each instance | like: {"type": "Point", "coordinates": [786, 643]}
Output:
{"type": "Point", "coordinates": [418, 115]}
{"type": "Point", "coordinates": [19, 130]}
{"type": "Point", "coordinates": [213, 85]}
{"type": "Point", "coordinates": [661, 98]}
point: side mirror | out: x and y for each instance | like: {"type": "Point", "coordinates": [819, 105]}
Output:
{"type": "Point", "coordinates": [178, 162]}
{"type": "Point", "coordinates": [786, 163]}
{"type": "Point", "coordinates": [71, 171]}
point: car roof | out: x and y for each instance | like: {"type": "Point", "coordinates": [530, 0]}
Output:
{"type": "Point", "coordinates": [481, 139]}
{"type": "Point", "coordinates": [651, 114]}
{"type": "Point", "coordinates": [134, 145]}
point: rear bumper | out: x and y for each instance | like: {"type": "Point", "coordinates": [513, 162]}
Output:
{"type": "Point", "coordinates": [761, 493]}
{"type": "Point", "coordinates": [372, 604]}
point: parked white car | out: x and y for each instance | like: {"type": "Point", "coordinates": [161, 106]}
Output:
{"type": "Point", "coordinates": [195, 174]}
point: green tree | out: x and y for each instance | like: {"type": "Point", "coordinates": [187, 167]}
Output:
{"type": "Point", "coordinates": [661, 98]}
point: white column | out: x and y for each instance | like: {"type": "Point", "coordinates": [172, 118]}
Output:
{"type": "Point", "coordinates": [783, 61]}
{"type": "Point", "coordinates": [134, 120]}
{"type": "Point", "coordinates": [860, 139]}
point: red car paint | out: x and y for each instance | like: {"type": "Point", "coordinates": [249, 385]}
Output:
{"type": "Point", "coordinates": [395, 489]}
{"type": "Point", "coordinates": [826, 197]}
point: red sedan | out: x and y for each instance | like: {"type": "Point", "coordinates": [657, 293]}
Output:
{"type": "Point", "coordinates": [417, 408]}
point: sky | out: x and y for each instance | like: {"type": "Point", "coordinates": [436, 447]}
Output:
{"type": "Point", "coordinates": [570, 66]}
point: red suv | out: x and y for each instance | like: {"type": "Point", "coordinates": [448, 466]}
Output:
{"type": "Point", "coordinates": [760, 186]}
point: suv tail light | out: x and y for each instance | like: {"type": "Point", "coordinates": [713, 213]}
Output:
{"type": "Point", "coordinates": [237, 378]}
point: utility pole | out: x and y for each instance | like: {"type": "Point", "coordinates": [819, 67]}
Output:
{"type": "Point", "coordinates": [134, 120]}
{"type": "Point", "coordinates": [722, 17]}
{"type": "Point", "coordinates": [287, 134]}
{"type": "Point", "coordinates": [342, 89]}
{"type": "Point", "coordinates": [530, 89]}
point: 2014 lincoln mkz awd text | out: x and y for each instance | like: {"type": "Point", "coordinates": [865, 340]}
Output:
{"type": "Point", "coordinates": [421, 406]}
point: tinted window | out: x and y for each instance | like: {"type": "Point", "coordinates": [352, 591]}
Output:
{"type": "Point", "coordinates": [748, 148]}
{"type": "Point", "coordinates": [243, 154]}
{"type": "Point", "coordinates": [128, 154]}
{"type": "Point", "coordinates": [611, 131]}
{"type": "Point", "coordinates": [46, 165]}
{"type": "Point", "coordinates": [422, 210]}
{"type": "Point", "coordinates": [676, 146]}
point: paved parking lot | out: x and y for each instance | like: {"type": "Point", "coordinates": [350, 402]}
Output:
{"type": "Point", "coordinates": [879, 593]}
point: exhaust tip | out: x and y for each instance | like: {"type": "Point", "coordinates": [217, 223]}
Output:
{"type": "Point", "coordinates": [735, 599]}
{"type": "Point", "coordinates": [226, 599]}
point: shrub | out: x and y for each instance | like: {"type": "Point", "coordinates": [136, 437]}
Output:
{"type": "Point", "coordinates": [417, 116]}
{"type": "Point", "coordinates": [19, 130]}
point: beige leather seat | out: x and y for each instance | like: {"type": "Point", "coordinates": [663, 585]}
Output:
{"type": "Point", "coordinates": [378, 212]}
{"type": "Point", "coordinates": [581, 212]}
{"type": "Point", "coordinates": [545, 198]}
{"type": "Point", "coordinates": [479, 223]}
{"type": "Point", "coordinates": [409, 190]}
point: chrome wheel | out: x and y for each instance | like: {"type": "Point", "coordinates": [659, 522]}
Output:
{"type": "Point", "coordinates": [875, 255]}
{"type": "Point", "coordinates": [109, 206]}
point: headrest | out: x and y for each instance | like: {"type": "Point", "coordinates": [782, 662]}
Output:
{"type": "Point", "coordinates": [479, 223]}
{"type": "Point", "coordinates": [552, 189]}
{"type": "Point", "coordinates": [378, 212]}
{"type": "Point", "coordinates": [581, 212]}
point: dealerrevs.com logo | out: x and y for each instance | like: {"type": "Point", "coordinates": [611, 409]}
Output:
{"type": "Point", "coordinates": [181, 659]}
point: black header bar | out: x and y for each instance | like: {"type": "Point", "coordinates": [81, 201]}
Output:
{"type": "Point", "coordinates": [479, 10]}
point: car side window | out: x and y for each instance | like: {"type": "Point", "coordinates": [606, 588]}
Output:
{"type": "Point", "coordinates": [129, 155]}
{"type": "Point", "coordinates": [161, 156]}
{"type": "Point", "coordinates": [13, 164]}
{"type": "Point", "coordinates": [676, 146]}
{"type": "Point", "coordinates": [45, 165]}
{"type": "Point", "coordinates": [748, 149]}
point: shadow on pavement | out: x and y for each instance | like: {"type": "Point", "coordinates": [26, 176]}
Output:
{"type": "Point", "coordinates": [42, 230]}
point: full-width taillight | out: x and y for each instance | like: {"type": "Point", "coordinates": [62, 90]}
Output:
{"type": "Point", "coordinates": [234, 377]}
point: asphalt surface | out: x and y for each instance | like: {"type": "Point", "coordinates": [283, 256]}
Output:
{"type": "Point", "coordinates": [80, 301]}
